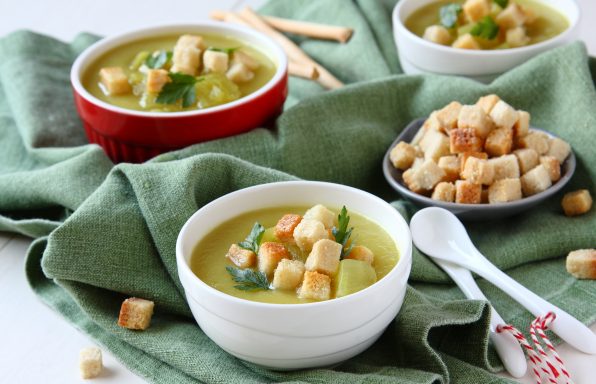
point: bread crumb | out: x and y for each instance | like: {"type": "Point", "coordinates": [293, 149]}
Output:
{"type": "Point", "coordinates": [582, 263]}
{"type": "Point", "coordinates": [90, 362]}
{"type": "Point", "coordinates": [135, 313]}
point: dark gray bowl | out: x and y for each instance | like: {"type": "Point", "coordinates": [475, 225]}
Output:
{"type": "Point", "coordinates": [471, 211]}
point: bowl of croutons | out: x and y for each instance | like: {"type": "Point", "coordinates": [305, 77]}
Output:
{"type": "Point", "coordinates": [479, 39]}
{"type": "Point", "coordinates": [480, 161]}
{"type": "Point", "coordinates": [297, 274]}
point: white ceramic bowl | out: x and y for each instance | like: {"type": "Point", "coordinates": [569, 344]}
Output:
{"type": "Point", "coordinates": [418, 56]}
{"type": "Point", "coordinates": [293, 336]}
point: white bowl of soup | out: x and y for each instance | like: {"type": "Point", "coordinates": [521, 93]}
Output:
{"type": "Point", "coordinates": [479, 39]}
{"type": "Point", "coordinates": [319, 320]}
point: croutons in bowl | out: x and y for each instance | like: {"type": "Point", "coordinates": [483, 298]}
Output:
{"type": "Point", "coordinates": [305, 326]}
{"type": "Point", "coordinates": [479, 39]}
{"type": "Point", "coordinates": [162, 88]}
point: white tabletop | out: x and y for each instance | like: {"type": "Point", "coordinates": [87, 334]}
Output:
{"type": "Point", "coordinates": [37, 345]}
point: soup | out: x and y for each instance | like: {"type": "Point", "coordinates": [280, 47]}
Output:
{"type": "Point", "coordinates": [486, 24]}
{"type": "Point", "coordinates": [299, 272]}
{"type": "Point", "coordinates": [178, 73]}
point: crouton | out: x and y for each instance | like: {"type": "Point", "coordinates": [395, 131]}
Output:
{"type": "Point", "coordinates": [315, 286]}
{"type": "Point", "coordinates": [114, 81]}
{"type": "Point", "coordinates": [135, 313]}
{"type": "Point", "coordinates": [362, 253]}
{"type": "Point", "coordinates": [516, 37]}
{"type": "Point", "coordinates": [288, 274]}
{"type": "Point", "coordinates": [476, 9]}
{"type": "Point", "coordinates": [402, 155]}
{"type": "Point", "coordinates": [522, 125]}
{"type": "Point", "coordinates": [321, 213]}
{"type": "Point", "coordinates": [504, 190]}
{"type": "Point", "coordinates": [437, 34]}
{"type": "Point", "coordinates": [512, 16]}
{"type": "Point", "coordinates": [432, 123]}
{"type": "Point", "coordinates": [503, 115]}
{"type": "Point", "coordinates": [527, 159]}
{"type": "Point", "coordinates": [424, 177]}
{"type": "Point", "coordinates": [559, 149]}
{"type": "Point", "coordinates": [270, 254]}
{"type": "Point", "coordinates": [434, 144]}
{"type": "Point", "coordinates": [539, 141]}
{"type": "Point", "coordinates": [239, 73]}
{"type": "Point", "coordinates": [214, 61]}
{"type": "Point", "coordinates": [451, 166]}
{"type": "Point", "coordinates": [466, 41]}
{"type": "Point", "coordinates": [324, 257]}
{"type": "Point", "coordinates": [577, 202]}
{"type": "Point", "coordinates": [156, 79]}
{"type": "Point", "coordinates": [467, 192]}
{"type": "Point", "coordinates": [186, 60]}
{"type": "Point", "coordinates": [193, 41]}
{"type": "Point", "coordinates": [506, 167]}
{"type": "Point", "coordinates": [419, 135]}
{"type": "Point", "coordinates": [582, 263]}
{"type": "Point", "coordinates": [473, 116]}
{"type": "Point", "coordinates": [488, 102]}
{"type": "Point", "coordinates": [250, 62]}
{"type": "Point", "coordinates": [90, 362]}
{"type": "Point", "coordinates": [463, 157]}
{"type": "Point", "coordinates": [535, 180]}
{"type": "Point", "coordinates": [553, 167]}
{"type": "Point", "coordinates": [243, 258]}
{"type": "Point", "coordinates": [464, 140]}
{"type": "Point", "coordinates": [444, 191]}
{"type": "Point", "coordinates": [499, 142]}
{"type": "Point", "coordinates": [284, 229]}
{"type": "Point", "coordinates": [448, 116]}
{"type": "Point", "coordinates": [308, 232]}
{"type": "Point", "coordinates": [478, 171]}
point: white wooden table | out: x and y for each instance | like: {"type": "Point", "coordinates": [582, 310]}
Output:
{"type": "Point", "coordinates": [36, 344]}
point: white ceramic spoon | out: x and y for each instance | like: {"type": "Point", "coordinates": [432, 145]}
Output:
{"type": "Point", "coordinates": [440, 235]}
{"type": "Point", "coordinates": [507, 347]}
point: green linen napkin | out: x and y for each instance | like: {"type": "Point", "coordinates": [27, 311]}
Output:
{"type": "Point", "coordinates": [112, 230]}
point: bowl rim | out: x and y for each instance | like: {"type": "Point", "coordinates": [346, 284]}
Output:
{"type": "Point", "coordinates": [106, 44]}
{"type": "Point", "coordinates": [405, 258]}
{"type": "Point", "coordinates": [427, 201]}
{"type": "Point", "coordinates": [533, 48]}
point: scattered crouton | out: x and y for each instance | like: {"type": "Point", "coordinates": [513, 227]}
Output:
{"type": "Point", "coordinates": [114, 81]}
{"type": "Point", "coordinates": [241, 257]}
{"type": "Point", "coordinates": [324, 257]}
{"type": "Point", "coordinates": [577, 202]}
{"type": "Point", "coordinates": [582, 263]}
{"type": "Point", "coordinates": [90, 362]}
{"type": "Point", "coordinates": [270, 254]}
{"type": "Point", "coordinates": [315, 286]}
{"type": "Point", "coordinates": [284, 229]}
{"type": "Point", "coordinates": [288, 274]}
{"type": "Point", "coordinates": [135, 313]}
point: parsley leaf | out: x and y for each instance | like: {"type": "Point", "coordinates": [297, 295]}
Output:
{"type": "Point", "coordinates": [449, 14]}
{"type": "Point", "coordinates": [250, 280]}
{"type": "Point", "coordinates": [159, 60]}
{"type": "Point", "coordinates": [224, 50]}
{"type": "Point", "coordinates": [502, 3]}
{"type": "Point", "coordinates": [253, 240]}
{"type": "Point", "coordinates": [181, 87]}
{"type": "Point", "coordinates": [485, 28]}
{"type": "Point", "coordinates": [342, 233]}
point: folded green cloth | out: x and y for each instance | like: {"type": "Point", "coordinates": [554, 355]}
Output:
{"type": "Point", "coordinates": [112, 230]}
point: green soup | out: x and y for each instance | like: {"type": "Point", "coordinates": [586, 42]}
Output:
{"type": "Point", "coordinates": [209, 263]}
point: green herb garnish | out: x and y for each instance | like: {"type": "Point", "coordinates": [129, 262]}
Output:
{"type": "Point", "coordinates": [502, 3]}
{"type": "Point", "coordinates": [159, 60]}
{"type": "Point", "coordinates": [449, 14]}
{"type": "Point", "coordinates": [253, 240]}
{"type": "Point", "coordinates": [224, 50]}
{"type": "Point", "coordinates": [181, 87]}
{"type": "Point", "coordinates": [250, 280]}
{"type": "Point", "coordinates": [485, 28]}
{"type": "Point", "coordinates": [342, 233]}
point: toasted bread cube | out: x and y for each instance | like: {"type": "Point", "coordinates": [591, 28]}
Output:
{"type": "Point", "coordinates": [512, 16]}
{"type": "Point", "coordinates": [444, 191]}
{"type": "Point", "coordinates": [434, 144]}
{"type": "Point", "coordinates": [488, 102]}
{"type": "Point", "coordinates": [463, 157]}
{"type": "Point", "coordinates": [499, 142]}
{"type": "Point", "coordinates": [467, 192]}
{"type": "Point", "coordinates": [473, 116]}
{"type": "Point", "coordinates": [506, 167]}
{"type": "Point", "coordinates": [424, 177]}
{"type": "Point", "coordinates": [476, 9]}
{"type": "Point", "coordinates": [324, 257]}
{"type": "Point", "coordinates": [239, 73]}
{"type": "Point", "coordinates": [464, 140]}
{"type": "Point", "coordinates": [114, 81]}
{"type": "Point", "coordinates": [323, 214]}
{"type": "Point", "coordinates": [535, 180]}
{"type": "Point", "coordinates": [516, 37]}
{"type": "Point", "coordinates": [553, 167]}
{"type": "Point", "coordinates": [215, 61]}
{"type": "Point", "coordinates": [135, 313]}
{"type": "Point", "coordinates": [437, 34]}
{"type": "Point", "coordinates": [315, 286]}
{"type": "Point", "coordinates": [288, 274]}
{"type": "Point", "coordinates": [582, 263]}
{"type": "Point", "coordinates": [242, 57]}
{"type": "Point", "coordinates": [478, 171]}
{"type": "Point", "coordinates": [448, 116]}
{"type": "Point", "coordinates": [466, 41]}
{"type": "Point", "coordinates": [284, 229]}
{"type": "Point", "coordinates": [577, 202]}
{"type": "Point", "coordinates": [539, 141]}
{"type": "Point", "coordinates": [243, 258]}
{"type": "Point", "coordinates": [362, 253]}
{"type": "Point", "coordinates": [402, 155]}
{"type": "Point", "coordinates": [522, 125]}
{"type": "Point", "coordinates": [90, 362]}
{"type": "Point", "coordinates": [451, 166]}
{"type": "Point", "coordinates": [156, 79]}
{"type": "Point", "coordinates": [527, 159]}
{"type": "Point", "coordinates": [559, 149]}
{"type": "Point", "coordinates": [270, 253]}
{"type": "Point", "coordinates": [308, 232]}
{"type": "Point", "coordinates": [432, 123]}
{"type": "Point", "coordinates": [193, 41]}
{"type": "Point", "coordinates": [503, 115]}
{"type": "Point", "coordinates": [504, 190]}
{"type": "Point", "coordinates": [418, 136]}
{"type": "Point", "coordinates": [186, 60]}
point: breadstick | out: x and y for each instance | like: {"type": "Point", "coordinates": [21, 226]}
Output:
{"type": "Point", "coordinates": [228, 17]}
{"type": "Point", "coordinates": [302, 70]}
